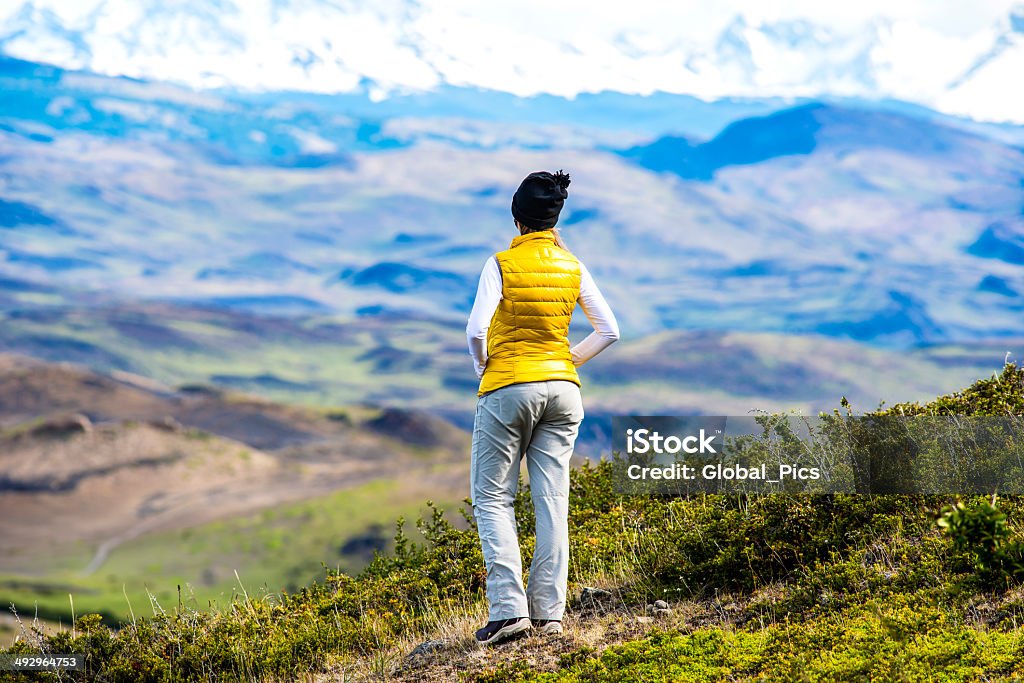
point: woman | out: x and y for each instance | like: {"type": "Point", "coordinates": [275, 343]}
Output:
{"type": "Point", "coordinates": [529, 405]}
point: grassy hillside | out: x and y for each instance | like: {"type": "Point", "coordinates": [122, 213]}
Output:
{"type": "Point", "coordinates": [281, 547]}
{"type": "Point", "coordinates": [421, 362]}
{"type": "Point", "coordinates": [114, 487]}
{"type": "Point", "coordinates": [776, 587]}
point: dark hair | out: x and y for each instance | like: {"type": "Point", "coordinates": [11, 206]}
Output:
{"type": "Point", "coordinates": [524, 230]}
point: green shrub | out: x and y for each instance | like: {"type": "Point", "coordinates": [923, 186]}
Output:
{"type": "Point", "coordinates": [999, 395]}
{"type": "Point", "coordinates": [982, 535]}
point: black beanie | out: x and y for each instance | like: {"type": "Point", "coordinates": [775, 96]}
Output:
{"type": "Point", "coordinates": [539, 199]}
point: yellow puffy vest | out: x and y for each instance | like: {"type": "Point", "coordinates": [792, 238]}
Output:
{"type": "Point", "coordinates": [528, 339]}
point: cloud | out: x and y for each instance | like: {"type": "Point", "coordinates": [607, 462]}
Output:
{"type": "Point", "coordinates": [690, 19]}
{"type": "Point", "coordinates": [911, 49]}
{"type": "Point", "coordinates": [696, 20]}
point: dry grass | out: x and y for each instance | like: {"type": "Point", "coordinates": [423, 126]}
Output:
{"type": "Point", "coordinates": [456, 654]}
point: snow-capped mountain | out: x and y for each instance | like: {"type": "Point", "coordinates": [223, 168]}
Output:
{"type": "Point", "coordinates": [404, 45]}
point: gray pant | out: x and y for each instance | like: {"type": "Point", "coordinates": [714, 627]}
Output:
{"type": "Point", "coordinates": [538, 421]}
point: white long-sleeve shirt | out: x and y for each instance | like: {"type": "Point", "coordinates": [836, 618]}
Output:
{"type": "Point", "coordinates": [488, 295]}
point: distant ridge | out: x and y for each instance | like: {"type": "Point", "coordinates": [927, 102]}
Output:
{"type": "Point", "coordinates": [798, 131]}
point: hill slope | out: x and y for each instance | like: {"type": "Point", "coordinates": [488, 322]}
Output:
{"type": "Point", "coordinates": [420, 363]}
{"type": "Point", "coordinates": [822, 218]}
{"type": "Point", "coordinates": [106, 478]}
{"type": "Point", "coordinates": [764, 587]}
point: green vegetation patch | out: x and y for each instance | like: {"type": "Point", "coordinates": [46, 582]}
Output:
{"type": "Point", "coordinates": [893, 644]}
{"type": "Point", "coordinates": [278, 549]}
{"type": "Point", "coordinates": [841, 587]}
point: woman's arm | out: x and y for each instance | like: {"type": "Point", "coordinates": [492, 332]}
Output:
{"type": "Point", "coordinates": [606, 329]}
{"type": "Point", "coordinates": [488, 295]}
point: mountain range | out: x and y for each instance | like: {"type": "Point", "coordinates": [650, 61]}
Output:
{"type": "Point", "coordinates": [325, 249]}
{"type": "Point", "coordinates": [389, 48]}
{"type": "Point", "coordinates": [867, 224]}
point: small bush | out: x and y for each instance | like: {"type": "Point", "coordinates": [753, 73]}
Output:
{"type": "Point", "coordinates": [982, 535]}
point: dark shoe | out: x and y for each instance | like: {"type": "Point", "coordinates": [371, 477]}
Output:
{"type": "Point", "coordinates": [497, 631]}
{"type": "Point", "coordinates": [547, 626]}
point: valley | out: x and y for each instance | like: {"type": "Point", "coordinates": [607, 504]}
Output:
{"type": "Point", "coordinates": [115, 487]}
